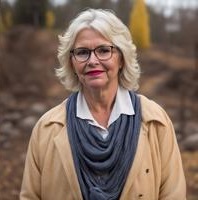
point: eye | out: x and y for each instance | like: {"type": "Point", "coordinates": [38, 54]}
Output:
{"type": "Point", "coordinates": [103, 50]}
{"type": "Point", "coordinates": [81, 52]}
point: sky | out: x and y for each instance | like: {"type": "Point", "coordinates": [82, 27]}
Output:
{"type": "Point", "coordinates": [174, 3]}
{"type": "Point", "coordinates": [164, 3]}
{"type": "Point", "coordinates": [167, 7]}
{"type": "Point", "coordinates": [155, 3]}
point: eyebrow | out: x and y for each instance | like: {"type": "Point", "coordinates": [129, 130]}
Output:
{"type": "Point", "coordinates": [101, 45]}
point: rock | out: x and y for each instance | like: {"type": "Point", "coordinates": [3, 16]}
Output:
{"type": "Point", "coordinates": [191, 142]}
{"type": "Point", "coordinates": [7, 145]}
{"type": "Point", "coordinates": [7, 100]}
{"type": "Point", "coordinates": [38, 108]}
{"type": "Point", "coordinates": [192, 126]}
{"type": "Point", "coordinates": [12, 117]}
{"type": "Point", "coordinates": [6, 128]}
{"type": "Point", "coordinates": [2, 138]}
{"type": "Point", "coordinates": [28, 122]}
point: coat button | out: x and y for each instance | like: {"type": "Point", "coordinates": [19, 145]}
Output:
{"type": "Point", "coordinates": [147, 171]}
{"type": "Point", "coordinates": [140, 196]}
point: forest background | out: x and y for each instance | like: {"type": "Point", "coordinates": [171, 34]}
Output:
{"type": "Point", "coordinates": [166, 36]}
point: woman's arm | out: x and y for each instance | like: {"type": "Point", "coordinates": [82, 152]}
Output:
{"type": "Point", "coordinates": [173, 184]}
{"type": "Point", "coordinates": [31, 184]}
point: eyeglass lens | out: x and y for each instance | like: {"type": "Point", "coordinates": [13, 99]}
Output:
{"type": "Point", "coordinates": [101, 52]}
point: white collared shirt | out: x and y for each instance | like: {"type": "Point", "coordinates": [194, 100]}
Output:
{"type": "Point", "coordinates": [122, 105]}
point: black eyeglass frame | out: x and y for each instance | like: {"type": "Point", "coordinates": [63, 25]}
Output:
{"type": "Point", "coordinates": [93, 50]}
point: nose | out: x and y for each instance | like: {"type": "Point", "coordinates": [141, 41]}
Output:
{"type": "Point", "coordinates": [93, 58]}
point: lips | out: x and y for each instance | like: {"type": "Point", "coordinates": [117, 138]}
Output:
{"type": "Point", "coordinates": [94, 72]}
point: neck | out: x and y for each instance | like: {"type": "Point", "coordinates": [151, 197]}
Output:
{"type": "Point", "coordinates": [100, 103]}
{"type": "Point", "coordinates": [101, 99]}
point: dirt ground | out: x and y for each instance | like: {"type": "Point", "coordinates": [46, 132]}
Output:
{"type": "Point", "coordinates": [28, 88]}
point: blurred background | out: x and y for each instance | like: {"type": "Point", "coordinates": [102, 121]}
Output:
{"type": "Point", "coordinates": [166, 35]}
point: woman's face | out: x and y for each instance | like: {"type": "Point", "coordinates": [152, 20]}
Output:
{"type": "Point", "coordinates": [99, 71]}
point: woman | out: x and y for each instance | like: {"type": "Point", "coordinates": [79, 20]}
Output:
{"type": "Point", "coordinates": [105, 141]}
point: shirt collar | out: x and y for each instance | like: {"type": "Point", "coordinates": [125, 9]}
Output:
{"type": "Point", "coordinates": [122, 105]}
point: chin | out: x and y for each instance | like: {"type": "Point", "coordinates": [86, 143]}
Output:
{"type": "Point", "coordinates": [97, 84]}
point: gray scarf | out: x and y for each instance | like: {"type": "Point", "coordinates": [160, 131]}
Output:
{"type": "Point", "coordinates": [102, 165]}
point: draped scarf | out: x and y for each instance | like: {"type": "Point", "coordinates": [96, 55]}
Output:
{"type": "Point", "coordinates": [102, 165]}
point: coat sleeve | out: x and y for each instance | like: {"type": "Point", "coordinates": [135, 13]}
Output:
{"type": "Point", "coordinates": [31, 184]}
{"type": "Point", "coordinates": [173, 184]}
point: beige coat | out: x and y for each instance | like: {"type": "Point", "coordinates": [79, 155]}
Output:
{"type": "Point", "coordinates": [156, 173]}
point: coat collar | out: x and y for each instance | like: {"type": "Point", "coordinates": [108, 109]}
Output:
{"type": "Point", "coordinates": [151, 111]}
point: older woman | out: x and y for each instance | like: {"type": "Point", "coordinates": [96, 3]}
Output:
{"type": "Point", "coordinates": [104, 142]}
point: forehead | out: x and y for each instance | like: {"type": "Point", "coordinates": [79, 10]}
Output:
{"type": "Point", "coordinates": [90, 37]}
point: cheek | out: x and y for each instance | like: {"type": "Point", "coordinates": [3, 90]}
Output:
{"type": "Point", "coordinates": [77, 68]}
{"type": "Point", "coordinates": [117, 64]}
{"type": "Point", "coordinates": [74, 65]}
{"type": "Point", "coordinates": [121, 60]}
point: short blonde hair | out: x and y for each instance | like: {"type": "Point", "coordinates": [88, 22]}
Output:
{"type": "Point", "coordinates": [113, 29]}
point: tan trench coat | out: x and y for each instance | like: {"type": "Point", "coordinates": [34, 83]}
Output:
{"type": "Point", "coordinates": [156, 173]}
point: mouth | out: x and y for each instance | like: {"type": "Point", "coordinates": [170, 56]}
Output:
{"type": "Point", "coordinates": [94, 73]}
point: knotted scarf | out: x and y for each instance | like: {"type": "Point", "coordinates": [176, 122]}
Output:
{"type": "Point", "coordinates": [102, 165]}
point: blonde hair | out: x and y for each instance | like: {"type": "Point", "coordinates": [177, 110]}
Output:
{"type": "Point", "coordinates": [113, 29]}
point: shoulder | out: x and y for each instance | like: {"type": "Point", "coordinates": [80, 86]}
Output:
{"type": "Point", "coordinates": [56, 114]}
{"type": "Point", "coordinates": [151, 111]}
{"type": "Point", "coordinates": [47, 128]}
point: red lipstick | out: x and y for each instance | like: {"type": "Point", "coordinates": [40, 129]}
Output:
{"type": "Point", "coordinates": [94, 73]}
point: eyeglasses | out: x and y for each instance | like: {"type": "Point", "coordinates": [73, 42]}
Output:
{"type": "Point", "coordinates": [101, 52]}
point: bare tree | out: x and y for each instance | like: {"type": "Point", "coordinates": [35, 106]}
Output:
{"type": "Point", "coordinates": [123, 10]}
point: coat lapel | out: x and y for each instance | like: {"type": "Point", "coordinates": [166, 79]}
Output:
{"type": "Point", "coordinates": [136, 163]}
{"type": "Point", "coordinates": [63, 146]}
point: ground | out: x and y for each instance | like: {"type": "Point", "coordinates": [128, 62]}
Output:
{"type": "Point", "coordinates": [28, 88]}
